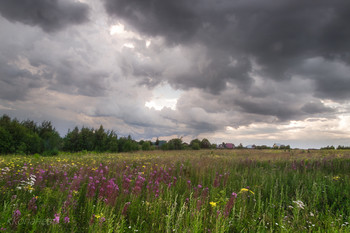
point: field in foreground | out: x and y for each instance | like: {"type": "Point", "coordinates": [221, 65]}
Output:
{"type": "Point", "coordinates": [181, 191]}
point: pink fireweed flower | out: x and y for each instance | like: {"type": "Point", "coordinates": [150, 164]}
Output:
{"type": "Point", "coordinates": [56, 220]}
{"type": "Point", "coordinates": [230, 204]}
{"type": "Point", "coordinates": [66, 219]}
{"type": "Point", "coordinates": [32, 204]}
{"type": "Point", "coordinates": [15, 217]}
{"type": "Point", "coordinates": [125, 209]}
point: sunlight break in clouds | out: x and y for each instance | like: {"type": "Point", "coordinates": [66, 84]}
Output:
{"type": "Point", "coordinates": [163, 96]}
{"type": "Point", "coordinates": [116, 29]}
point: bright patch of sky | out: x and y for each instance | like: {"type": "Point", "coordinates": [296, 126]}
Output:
{"type": "Point", "coordinates": [164, 96]}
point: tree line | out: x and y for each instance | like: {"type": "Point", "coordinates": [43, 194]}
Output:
{"type": "Point", "coordinates": [29, 137]}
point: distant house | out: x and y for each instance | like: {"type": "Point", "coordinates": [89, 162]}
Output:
{"type": "Point", "coordinates": [229, 145]}
{"type": "Point", "coordinates": [225, 146]}
{"type": "Point", "coordinates": [277, 145]}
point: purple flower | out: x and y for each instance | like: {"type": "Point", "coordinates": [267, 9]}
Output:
{"type": "Point", "coordinates": [125, 209]}
{"type": "Point", "coordinates": [66, 219]}
{"type": "Point", "coordinates": [15, 217]}
{"type": "Point", "coordinates": [230, 204]}
{"type": "Point", "coordinates": [56, 220]}
{"type": "Point", "coordinates": [17, 213]}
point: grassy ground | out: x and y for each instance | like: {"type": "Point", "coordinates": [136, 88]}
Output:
{"type": "Point", "coordinates": [179, 191]}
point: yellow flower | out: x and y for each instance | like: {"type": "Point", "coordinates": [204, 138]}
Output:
{"type": "Point", "coordinates": [246, 190]}
{"type": "Point", "coordinates": [98, 216]}
{"type": "Point", "coordinates": [336, 177]}
{"type": "Point", "coordinates": [213, 204]}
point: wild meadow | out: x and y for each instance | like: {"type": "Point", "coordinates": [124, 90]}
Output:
{"type": "Point", "coordinates": [177, 191]}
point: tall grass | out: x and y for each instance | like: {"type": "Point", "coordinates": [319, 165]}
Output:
{"type": "Point", "coordinates": [187, 191]}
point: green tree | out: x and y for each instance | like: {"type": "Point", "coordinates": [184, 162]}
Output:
{"type": "Point", "coordinates": [195, 141]}
{"type": "Point", "coordinates": [51, 141]}
{"type": "Point", "coordinates": [100, 139]}
{"type": "Point", "coordinates": [175, 144]}
{"type": "Point", "coordinates": [71, 141]}
{"type": "Point", "coordinates": [195, 146]}
{"type": "Point", "coordinates": [205, 144]}
{"type": "Point", "coordinates": [6, 143]}
{"type": "Point", "coordinates": [112, 141]}
{"type": "Point", "coordinates": [146, 146]}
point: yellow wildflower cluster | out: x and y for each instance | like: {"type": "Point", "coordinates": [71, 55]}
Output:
{"type": "Point", "coordinates": [213, 204]}
{"type": "Point", "coordinates": [243, 190]}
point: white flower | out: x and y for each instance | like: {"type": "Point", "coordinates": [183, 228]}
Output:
{"type": "Point", "coordinates": [300, 204]}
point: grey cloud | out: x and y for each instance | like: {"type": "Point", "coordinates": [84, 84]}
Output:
{"type": "Point", "coordinates": [176, 19]}
{"type": "Point", "coordinates": [278, 36]}
{"type": "Point", "coordinates": [62, 62]}
{"type": "Point", "coordinates": [331, 77]}
{"type": "Point", "coordinates": [70, 76]}
{"type": "Point", "coordinates": [50, 15]}
{"type": "Point", "coordinates": [316, 108]}
{"type": "Point", "coordinates": [15, 83]}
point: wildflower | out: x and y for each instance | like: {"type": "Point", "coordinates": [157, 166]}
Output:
{"type": "Point", "coordinates": [246, 190]}
{"type": "Point", "coordinates": [32, 204]}
{"type": "Point", "coordinates": [66, 219]}
{"type": "Point", "coordinates": [213, 204]}
{"type": "Point", "coordinates": [230, 204]}
{"type": "Point", "coordinates": [336, 178]}
{"type": "Point", "coordinates": [15, 217]}
{"type": "Point", "coordinates": [299, 204]}
{"type": "Point", "coordinates": [125, 209]}
{"type": "Point", "coordinates": [56, 220]}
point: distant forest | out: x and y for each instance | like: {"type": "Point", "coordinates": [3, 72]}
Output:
{"type": "Point", "coordinates": [28, 137]}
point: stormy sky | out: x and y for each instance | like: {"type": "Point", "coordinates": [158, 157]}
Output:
{"type": "Point", "coordinates": [241, 71]}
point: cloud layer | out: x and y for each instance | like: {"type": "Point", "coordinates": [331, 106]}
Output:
{"type": "Point", "coordinates": [50, 15]}
{"type": "Point", "coordinates": [242, 69]}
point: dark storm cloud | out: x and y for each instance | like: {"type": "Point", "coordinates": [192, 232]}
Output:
{"type": "Point", "coordinates": [50, 15]}
{"type": "Point", "coordinates": [73, 77]}
{"type": "Point", "coordinates": [316, 108]}
{"type": "Point", "coordinates": [175, 19]}
{"type": "Point", "coordinates": [278, 36]}
{"type": "Point", "coordinates": [15, 83]}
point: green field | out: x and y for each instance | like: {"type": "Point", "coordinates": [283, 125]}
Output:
{"type": "Point", "coordinates": [177, 191]}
